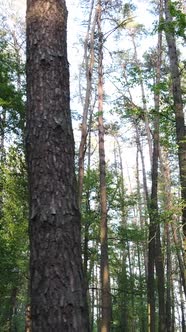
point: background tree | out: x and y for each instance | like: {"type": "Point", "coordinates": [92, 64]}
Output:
{"type": "Point", "coordinates": [104, 264]}
{"type": "Point", "coordinates": [170, 30]}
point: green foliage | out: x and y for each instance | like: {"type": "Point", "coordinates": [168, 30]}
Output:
{"type": "Point", "coordinates": [121, 239]}
{"type": "Point", "coordinates": [178, 24]}
{"type": "Point", "coordinates": [180, 18]}
{"type": "Point", "coordinates": [11, 97]}
{"type": "Point", "coordinates": [13, 189]}
{"type": "Point", "coordinates": [13, 239]}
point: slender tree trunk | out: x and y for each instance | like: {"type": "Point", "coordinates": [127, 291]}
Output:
{"type": "Point", "coordinates": [2, 155]}
{"type": "Point", "coordinates": [17, 49]}
{"type": "Point", "coordinates": [178, 252]}
{"type": "Point", "coordinates": [86, 257]}
{"type": "Point", "coordinates": [165, 171]}
{"type": "Point", "coordinates": [172, 306]}
{"type": "Point", "coordinates": [143, 222]}
{"type": "Point", "coordinates": [124, 319]}
{"type": "Point", "coordinates": [139, 146]}
{"type": "Point", "coordinates": [132, 323]}
{"type": "Point", "coordinates": [93, 290]}
{"type": "Point", "coordinates": [87, 223]}
{"type": "Point", "coordinates": [158, 256]}
{"type": "Point", "coordinates": [178, 109]}
{"type": "Point", "coordinates": [89, 64]}
{"type": "Point", "coordinates": [98, 298]}
{"type": "Point", "coordinates": [142, 315]}
{"type": "Point", "coordinates": [146, 119]}
{"type": "Point", "coordinates": [174, 222]}
{"type": "Point", "coordinates": [151, 262]}
{"type": "Point", "coordinates": [28, 321]}
{"type": "Point", "coordinates": [13, 310]}
{"type": "Point", "coordinates": [105, 278]}
{"type": "Point", "coordinates": [138, 141]}
{"type": "Point", "coordinates": [144, 250]}
{"type": "Point", "coordinates": [168, 275]}
{"type": "Point", "coordinates": [58, 300]}
{"type": "Point", "coordinates": [183, 322]}
{"type": "Point", "coordinates": [154, 227]}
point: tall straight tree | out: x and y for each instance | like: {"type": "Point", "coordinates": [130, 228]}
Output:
{"type": "Point", "coordinates": [88, 62]}
{"type": "Point", "coordinates": [154, 195]}
{"type": "Point", "coordinates": [178, 107]}
{"type": "Point", "coordinates": [105, 278]}
{"type": "Point", "coordinates": [154, 247]}
{"type": "Point", "coordinates": [58, 301]}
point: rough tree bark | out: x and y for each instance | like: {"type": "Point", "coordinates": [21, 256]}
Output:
{"type": "Point", "coordinates": [58, 301]}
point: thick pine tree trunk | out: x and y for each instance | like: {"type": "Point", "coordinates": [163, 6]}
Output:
{"type": "Point", "coordinates": [57, 285]}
